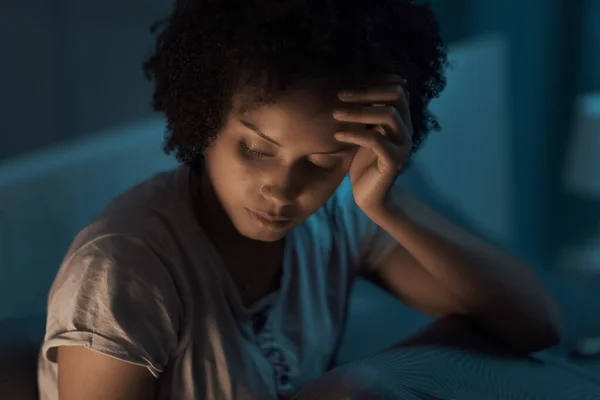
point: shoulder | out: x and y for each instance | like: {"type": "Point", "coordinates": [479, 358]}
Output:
{"type": "Point", "coordinates": [110, 263]}
{"type": "Point", "coordinates": [134, 238]}
{"type": "Point", "coordinates": [147, 212]}
{"type": "Point", "coordinates": [125, 257]}
{"type": "Point", "coordinates": [116, 296]}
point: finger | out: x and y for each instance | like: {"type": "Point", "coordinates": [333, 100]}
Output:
{"type": "Point", "coordinates": [396, 138]}
{"type": "Point", "coordinates": [386, 116]}
{"type": "Point", "coordinates": [396, 95]}
{"type": "Point", "coordinates": [388, 154]}
{"type": "Point", "coordinates": [370, 115]}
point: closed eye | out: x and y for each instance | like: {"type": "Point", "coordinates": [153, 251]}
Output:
{"type": "Point", "coordinates": [322, 168]}
{"type": "Point", "coordinates": [259, 154]}
{"type": "Point", "coordinates": [251, 152]}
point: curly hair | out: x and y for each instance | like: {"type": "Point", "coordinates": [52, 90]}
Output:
{"type": "Point", "coordinates": [209, 50]}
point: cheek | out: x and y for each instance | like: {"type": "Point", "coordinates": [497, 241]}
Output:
{"type": "Point", "coordinates": [229, 174]}
{"type": "Point", "coordinates": [239, 180]}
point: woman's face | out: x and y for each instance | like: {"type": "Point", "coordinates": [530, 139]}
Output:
{"type": "Point", "coordinates": [274, 166]}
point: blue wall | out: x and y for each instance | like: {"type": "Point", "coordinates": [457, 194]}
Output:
{"type": "Point", "coordinates": [72, 68]}
{"type": "Point", "coordinates": [554, 55]}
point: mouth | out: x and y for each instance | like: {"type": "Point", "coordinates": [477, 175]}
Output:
{"type": "Point", "coordinates": [270, 222]}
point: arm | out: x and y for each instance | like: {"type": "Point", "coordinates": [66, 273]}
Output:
{"type": "Point", "coordinates": [440, 269]}
{"type": "Point", "coordinates": [86, 374]}
{"type": "Point", "coordinates": [451, 270]}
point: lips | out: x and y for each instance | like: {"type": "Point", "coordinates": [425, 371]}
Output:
{"type": "Point", "coordinates": [269, 221]}
{"type": "Point", "coordinates": [271, 217]}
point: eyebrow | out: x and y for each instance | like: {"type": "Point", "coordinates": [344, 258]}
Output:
{"type": "Point", "coordinates": [259, 132]}
{"type": "Point", "coordinates": [343, 149]}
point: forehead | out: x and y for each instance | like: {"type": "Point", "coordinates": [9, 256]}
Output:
{"type": "Point", "coordinates": [299, 115]}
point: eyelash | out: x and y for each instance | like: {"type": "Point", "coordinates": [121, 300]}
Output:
{"type": "Point", "coordinates": [251, 152]}
{"type": "Point", "coordinates": [258, 154]}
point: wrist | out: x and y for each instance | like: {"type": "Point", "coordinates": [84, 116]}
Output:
{"type": "Point", "coordinates": [383, 215]}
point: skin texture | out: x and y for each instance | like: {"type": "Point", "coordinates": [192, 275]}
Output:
{"type": "Point", "coordinates": [85, 374]}
{"type": "Point", "coordinates": [292, 178]}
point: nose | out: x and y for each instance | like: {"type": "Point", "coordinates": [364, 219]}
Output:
{"type": "Point", "coordinates": [277, 195]}
{"type": "Point", "coordinates": [281, 188]}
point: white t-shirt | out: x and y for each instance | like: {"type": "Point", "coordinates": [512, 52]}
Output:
{"type": "Point", "coordinates": [144, 284]}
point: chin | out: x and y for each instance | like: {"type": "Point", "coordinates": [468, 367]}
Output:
{"type": "Point", "coordinates": [262, 236]}
{"type": "Point", "coordinates": [255, 230]}
{"type": "Point", "coordinates": [269, 238]}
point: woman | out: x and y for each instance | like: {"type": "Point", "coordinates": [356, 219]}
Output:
{"type": "Point", "coordinates": [228, 278]}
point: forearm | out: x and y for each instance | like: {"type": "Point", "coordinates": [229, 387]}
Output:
{"type": "Point", "coordinates": [498, 290]}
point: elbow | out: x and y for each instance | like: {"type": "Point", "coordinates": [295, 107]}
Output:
{"type": "Point", "coordinates": [537, 338]}
{"type": "Point", "coordinates": [525, 337]}
{"type": "Point", "coordinates": [552, 337]}
{"type": "Point", "coordinates": [545, 325]}
{"type": "Point", "coordinates": [528, 331]}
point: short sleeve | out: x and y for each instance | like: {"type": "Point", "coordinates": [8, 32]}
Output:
{"type": "Point", "coordinates": [366, 243]}
{"type": "Point", "coordinates": [116, 297]}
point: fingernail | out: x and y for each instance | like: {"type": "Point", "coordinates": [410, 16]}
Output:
{"type": "Point", "coordinates": [340, 112]}
{"type": "Point", "coordinates": [347, 93]}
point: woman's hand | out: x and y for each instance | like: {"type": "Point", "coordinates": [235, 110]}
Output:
{"type": "Point", "coordinates": [385, 148]}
